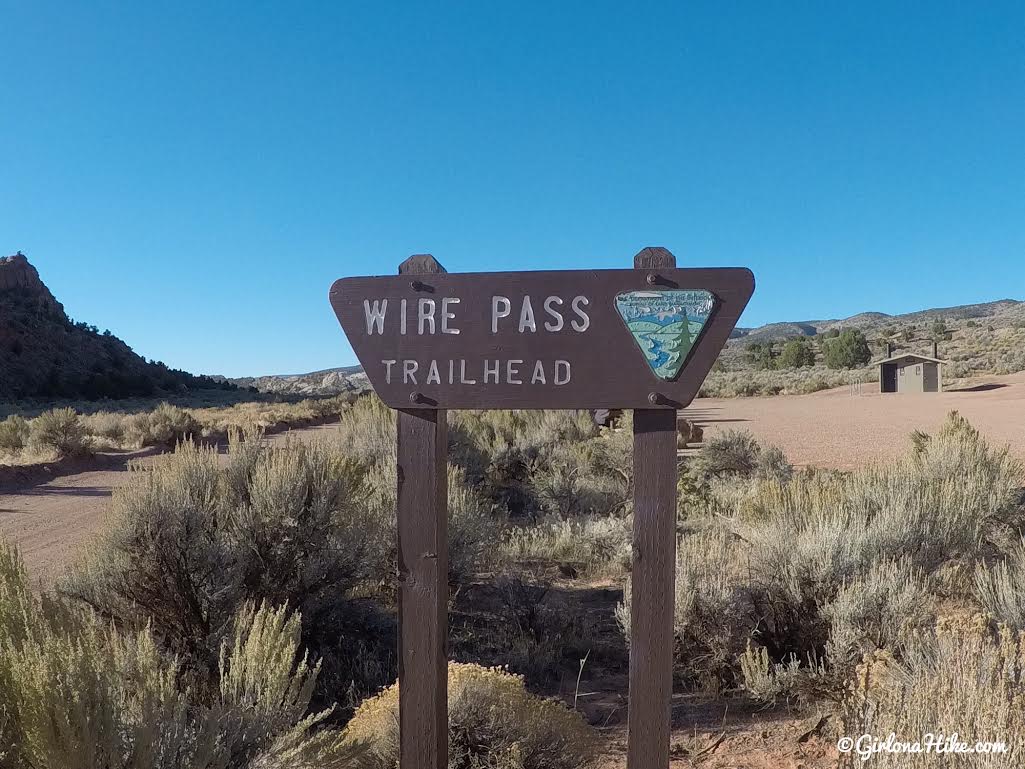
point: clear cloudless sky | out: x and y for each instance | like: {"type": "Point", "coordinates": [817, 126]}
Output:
{"type": "Point", "coordinates": [194, 175]}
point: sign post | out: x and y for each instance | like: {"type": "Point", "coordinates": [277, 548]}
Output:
{"type": "Point", "coordinates": [642, 338]}
{"type": "Point", "coordinates": [653, 573]}
{"type": "Point", "coordinates": [422, 513]}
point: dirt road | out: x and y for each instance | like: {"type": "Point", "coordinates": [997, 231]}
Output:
{"type": "Point", "coordinates": [52, 522]}
{"type": "Point", "coordinates": [834, 428]}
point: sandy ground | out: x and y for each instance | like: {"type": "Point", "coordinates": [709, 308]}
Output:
{"type": "Point", "coordinates": [51, 522]}
{"type": "Point", "coordinates": [835, 428]}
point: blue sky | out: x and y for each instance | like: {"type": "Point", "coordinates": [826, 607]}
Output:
{"type": "Point", "coordinates": [194, 175]}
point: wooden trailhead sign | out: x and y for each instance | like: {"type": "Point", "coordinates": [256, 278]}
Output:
{"type": "Point", "coordinates": [531, 340]}
{"type": "Point", "coordinates": [641, 339]}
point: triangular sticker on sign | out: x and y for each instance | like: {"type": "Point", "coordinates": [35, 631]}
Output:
{"type": "Point", "coordinates": [665, 324]}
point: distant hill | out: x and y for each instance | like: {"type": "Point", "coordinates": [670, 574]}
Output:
{"type": "Point", "coordinates": [980, 338]}
{"type": "Point", "coordinates": [332, 381]}
{"type": "Point", "coordinates": [986, 338]}
{"type": "Point", "coordinates": [44, 354]}
{"type": "Point", "coordinates": [1002, 312]}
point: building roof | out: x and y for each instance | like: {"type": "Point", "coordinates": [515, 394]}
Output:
{"type": "Point", "coordinates": [915, 355]}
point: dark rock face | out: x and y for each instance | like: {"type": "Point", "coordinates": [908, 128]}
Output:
{"type": "Point", "coordinates": [16, 274]}
{"type": "Point", "coordinates": [43, 354]}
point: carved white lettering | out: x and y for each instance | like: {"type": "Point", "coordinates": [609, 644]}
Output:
{"type": "Point", "coordinates": [582, 324]}
{"type": "Point", "coordinates": [500, 308]}
{"type": "Point", "coordinates": [491, 371]}
{"type": "Point", "coordinates": [425, 315]}
{"type": "Point", "coordinates": [446, 316]}
{"type": "Point", "coordinates": [539, 374]}
{"type": "Point", "coordinates": [375, 315]}
{"type": "Point", "coordinates": [512, 372]}
{"type": "Point", "coordinates": [433, 376]}
{"type": "Point", "coordinates": [557, 325]}
{"type": "Point", "coordinates": [409, 368]}
{"type": "Point", "coordinates": [527, 316]}
{"type": "Point", "coordinates": [563, 367]}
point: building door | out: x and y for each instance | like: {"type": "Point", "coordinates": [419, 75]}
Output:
{"type": "Point", "coordinates": [889, 379]}
{"type": "Point", "coordinates": [932, 383]}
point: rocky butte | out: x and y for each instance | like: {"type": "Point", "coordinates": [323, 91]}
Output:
{"type": "Point", "coordinates": [44, 354]}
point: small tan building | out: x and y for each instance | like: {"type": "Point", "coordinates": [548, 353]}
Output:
{"type": "Point", "coordinates": [911, 373]}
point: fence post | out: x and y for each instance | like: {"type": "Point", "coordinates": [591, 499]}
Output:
{"type": "Point", "coordinates": [653, 573]}
{"type": "Point", "coordinates": [422, 510]}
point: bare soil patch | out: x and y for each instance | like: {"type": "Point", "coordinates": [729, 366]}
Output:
{"type": "Point", "coordinates": [835, 428]}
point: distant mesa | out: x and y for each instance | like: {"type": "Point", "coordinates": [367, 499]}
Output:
{"type": "Point", "coordinates": [334, 381]}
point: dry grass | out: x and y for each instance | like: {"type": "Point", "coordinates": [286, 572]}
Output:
{"type": "Point", "coordinates": [69, 430]}
{"type": "Point", "coordinates": [801, 381]}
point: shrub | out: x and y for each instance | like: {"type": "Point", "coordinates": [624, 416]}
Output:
{"type": "Point", "coordinates": [476, 527]}
{"type": "Point", "coordinates": [107, 425]}
{"type": "Point", "coordinates": [166, 425]}
{"type": "Point", "coordinates": [59, 430]}
{"type": "Point", "coordinates": [712, 620]}
{"type": "Point", "coordinates": [800, 381]}
{"type": "Point", "coordinates": [367, 431]}
{"type": "Point", "coordinates": [772, 464]}
{"type": "Point", "coordinates": [14, 433]}
{"type": "Point", "coordinates": [926, 692]}
{"type": "Point", "coordinates": [736, 454]}
{"type": "Point", "coordinates": [595, 546]}
{"type": "Point", "coordinates": [192, 540]}
{"type": "Point", "coordinates": [137, 430]}
{"type": "Point", "coordinates": [534, 631]}
{"type": "Point", "coordinates": [1001, 588]}
{"type": "Point", "coordinates": [878, 611]}
{"type": "Point", "coordinates": [820, 568]}
{"type": "Point", "coordinates": [760, 355]}
{"type": "Point", "coordinates": [733, 452]}
{"type": "Point", "coordinates": [535, 462]}
{"type": "Point", "coordinates": [797, 353]}
{"type": "Point", "coordinates": [493, 722]}
{"type": "Point", "coordinates": [847, 350]}
{"type": "Point", "coordinates": [939, 332]}
{"type": "Point", "coordinates": [688, 432]}
{"type": "Point", "coordinates": [79, 692]}
{"type": "Point", "coordinates": [170, 424]}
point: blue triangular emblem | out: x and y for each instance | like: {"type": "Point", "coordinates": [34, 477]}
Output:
{"type": "Point", "coordinates": [665, 324]}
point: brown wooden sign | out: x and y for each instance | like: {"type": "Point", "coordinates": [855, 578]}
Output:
{"type": "Point", "coordinates": [643, 338]}
{"type": "Point", "coordinates": [567, 339]}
